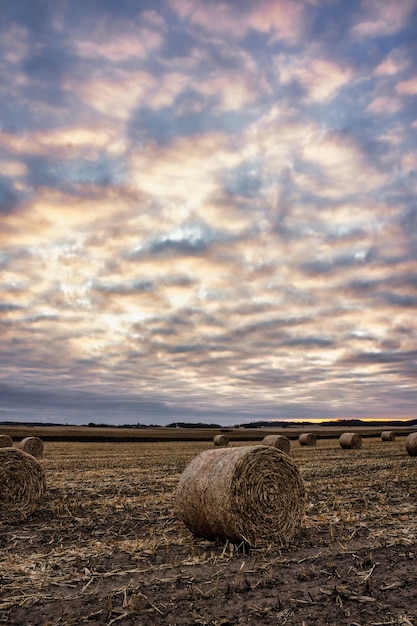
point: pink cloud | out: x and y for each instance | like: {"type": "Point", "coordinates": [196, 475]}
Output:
{"type": "Point", "coordinates": [394, 135]}
{"type": "Point", "coordinates": [409, 161]}
{"type": "Point", "coordinates": [392, 64]}
{"type": "Point", "coordinates": [121, 40]}
{"type": "Point", "coordinates": [185, 170]}
{"type": "Point", "coordinates": [279, 18]}
{"type": "Point", "coordinates": [15, 44]}
{"type": "Point", "coordinates": [385, 104]}
{"type": "Point", "coordinates": [233, 90]}
{"type": "Point", "coordinates": [121, 47]}
{"type": "Point", "coordinates": [345, 169]}
{"type": "Point", "coordinates": [216, 17]}
{"type": "Point", "coordinates": [321, 78]}
{"type": "Point", "coordinates": [382, 18]}
{"type": "Point", "coordinates": [116, 96]}
{"type": "Point", "coordinates": [407, 87]}
{"type": "Point", "coordinates": [283, 19]}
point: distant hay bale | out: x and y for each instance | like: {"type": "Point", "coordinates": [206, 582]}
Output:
{"type": "Point", "coordinates": [31, 445]}
{"type": "Point", "coordinates": [388, 435]}
{"type": "Point", "coordinates": [22, 484]}
{"type": "Point", "coordinates": [349, 441]}
{"type": "Point", "coordinates": [249, 494]}
{"type": "Point", "coordinates": [277, 441]}
{"type": "Point", "coordinates": [411, 444]}
{"type": "Point", "coordinates": [6, 441]}
{"type": "Point", "coordinates": [307, 439]}
{"type": "Point", "coordinates": [221, 440]}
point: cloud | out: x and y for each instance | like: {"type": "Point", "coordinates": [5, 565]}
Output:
{"type": "Point", "coordinates": [9, 198]}
{"type": "Point", "coordinates": [320, 78]}
{"type": "Point", "coordinates": [409, 161]}
{"type": "Point", "coordinates": [392, 64]}
{"type": "Point", "coordinates": [114, 97]}
{"type": "Point", "coordinates": [385, 105]}
{"type": "Point", "coordinates": [338, 168]}
{"type": "Point", "coordinates": [185, 171]}
{"type": "Point", "coordinates": [383, 357]}
{"type": "Point", "coordinates": [407, 87]}
{"type": "Point", "coordinates": [6, 307]}
{"type": "Point", "coordinates": [382, 19]}
{"type": "Point", "coordinates": [192, 237]}
{"type": "Point", "coordinates": [126, 42]}
{"type": "Point", "coordinates": [15, 45]}
{"type": "Point", "coordinates": [355, 258]}
{"type": "Point", "coordinates": [399, 300]}
{"type": "Point", "coordinates": [303, 342]}
{"type": "Point", "coordinates": [280, 19]}
{"type": "Point", "coordinates": [136, 286]}
{"type": "Point", "coordinates": [231, 91]}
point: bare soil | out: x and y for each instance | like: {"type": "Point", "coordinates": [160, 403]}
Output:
{"type": "Point", "coordinates": [105, 546]}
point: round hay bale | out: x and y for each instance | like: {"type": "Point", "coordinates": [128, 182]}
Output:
{"type": "Point", "coordinates": [6, 441]}
{"type": "Point", "coordinates": [411, 444]}
{"type": "Point", "coordinates": [221, 440]}
{"type": "Point", "coordinates": [277, 441]}
{"type": "Point", "coordinates": [349, 441]}
{"type": "Point", "coordinates": [388, 435]}
{"type": "Point", "coordinates": [307, 439]}
{"type": "Point", "coordinates": [32, 445]}
{"type": "Point", "coordinates": [249, 494]}
{"type": "Point", "coordinates": [22, 484]}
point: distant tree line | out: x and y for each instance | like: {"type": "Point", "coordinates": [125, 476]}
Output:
{"type": "Point", "coordinates": [258, 424]}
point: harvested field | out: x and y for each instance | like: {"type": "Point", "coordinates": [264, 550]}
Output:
{"type": "Point", "coordinates": [105, 548]}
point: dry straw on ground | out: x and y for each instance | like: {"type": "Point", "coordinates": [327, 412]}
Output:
{"type": "Point", "coordinates": [411, 444]}
{"type": "Point", "coordinates": [31, 445]}
{"type": "Point", "coordinates": [277, 441]}
{"type": "Point", "coordinates": [387, 435]}
{"type": "Point", "coordinates": [22, 484]}
{"type": "Point", "coordinates": [307, 439]}
{"type": "Point", "coordinates": [6, 441]}
{"type": "Point", "coordinates": [349, 441]}
{"type": "Point", "coordinates": [249, 494]}
{"type": "Point", "coordinates": [221, 440]}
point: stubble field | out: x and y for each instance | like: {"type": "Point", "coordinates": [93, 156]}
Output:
{"type": "Point", "coordinates": [105, 546]}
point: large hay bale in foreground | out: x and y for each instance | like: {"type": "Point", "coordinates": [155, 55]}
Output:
{"type": "Point", "coordinates": [277, 441]}
{"type": "Point", "coordinates": [349, 441]}
{"type": "Point", "coordinates": [307, 439]}
{"type": "Point", "coordinates": [221, 440]}
{"type": "Point", "coordinates": [387, 435]}
{"type": "Point", "coordinates": [6, 441]}
{"type": "Point", "coordinates": [249, 494]}
{"type": "Point", "coordinates": [31, 445]}
{"type": "Point", "coordinates": [22, 484]}
{"type": "Point", "coordinates": [411, 444]}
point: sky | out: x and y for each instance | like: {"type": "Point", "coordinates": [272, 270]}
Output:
{"type": "Point", "coordinates": [208, 210]}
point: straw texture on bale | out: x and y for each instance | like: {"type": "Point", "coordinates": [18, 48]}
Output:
{"type": "Point", "coordinates": [6, 441]}
{"type": "Point", "coordinates": [221, 440]}
{"type": "Point", "coordinates": [277, 441]}
{"type": "Point", "coordinates": [32, 445]}
{"type": "Point", "coordinates": [307, 439]}
{"type": "Point", "coordinates": [249, 494]}
{"type": "Point", "coordinates": [22, 484]}
{"type": "Point", "coordinates": [349, 441]}
{"type": "Point", "coordinates": [411, 444]}
{"type": "Point", "coordinates": [388, 435]}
